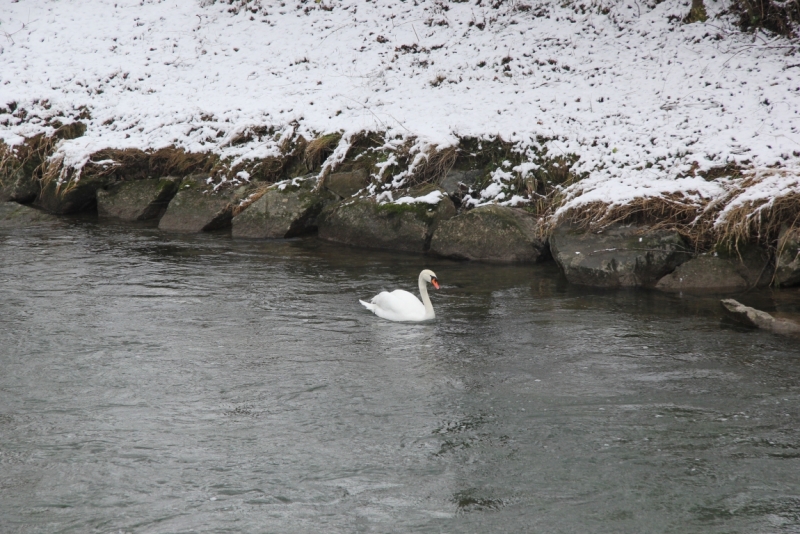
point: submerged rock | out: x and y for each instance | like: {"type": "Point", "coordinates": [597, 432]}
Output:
{"type": "Point", "coordinates": [195, 208]}
{"type": "Point", "coordinates": [704, 273]}
{"type": "Point", "coordinates": [363, 222]}
{"type": "Point", "coordinates": [787, 268]}
{"type": "Point", "coordinates": [620, 256]}
{"type": "Point", "coordinates": [286, 209]}
{"type": "Point", "coordinates": [347, 184]}
{"type": "Point", "coordinates": [13, 215]}
{"type": "Point", "coordinates": [758, 319]}
{"type": "Point", "coordinates": [492, 233]}
{"type": "Point", "coordinates": [138, 200]}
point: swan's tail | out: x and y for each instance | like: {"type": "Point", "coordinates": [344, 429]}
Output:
{"type": "Point", "coordinates": [368, 305]}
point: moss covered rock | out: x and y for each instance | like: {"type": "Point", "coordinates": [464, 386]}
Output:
{"type": "Point", "coordinates": [492, 233]}
{"type": "Point", "coordinates": [196, 208]}
{"type": "Point", "coordinates": [138, 200]}
{"type": "Point", "coordinates": [787, 265]}
{"type": "Point", "coordinates": [620, 256]}
{"type": "Point", "coordinates": [363, 222]}
{"type": "Point", "coordinates": [287, 209]}
{"type": "Point", "coordinates": [13, 215]}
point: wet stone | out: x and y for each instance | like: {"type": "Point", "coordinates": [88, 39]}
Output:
{"type": "Point", "coordinates": [13, 215]}
{"type": "Point", "coordinates": [363, 222]}
{"type": "Point", "coordinates": [196, 208]}
{"type": "Point", "coordinates": [72, 196]}
{"type": "Point", "coordinates": [759, 319]}
{"type": "Point", "coordinates": [787, 268]}
{"type": "Point", "coordinates": [19, 184]}
{"type": "Point", "coordinates": [137, 201]}
{"type": "Point", "coordinates": [286, 209]}
{"type": "Point", "coordinates": [619, 256]}
{"type": "Point", "coordinates": [490, 233]}
{"type": "Point", "coordinates": [704, 273]}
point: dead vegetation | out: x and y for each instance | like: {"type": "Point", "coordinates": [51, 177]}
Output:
{"type": "Point", "coordinates": [780, 17]}
{"type": "Point", "coordinates": [318, 150]}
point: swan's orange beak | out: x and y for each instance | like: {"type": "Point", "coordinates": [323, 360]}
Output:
{"type": "Point", "coordinates": [435, 283]}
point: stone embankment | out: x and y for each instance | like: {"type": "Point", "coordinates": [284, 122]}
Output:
{"type": "Point", "coordinates": [425, 219]}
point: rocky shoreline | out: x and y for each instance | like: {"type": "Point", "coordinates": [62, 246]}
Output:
{"type": "Point", "coordinates": [424, 219]}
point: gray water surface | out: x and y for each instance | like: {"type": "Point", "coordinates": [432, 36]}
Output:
{"type": "Point", "coordinates": [158, 383]}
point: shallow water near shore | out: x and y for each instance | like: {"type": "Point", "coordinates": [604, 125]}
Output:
{"type": "Point", "coordinates": [161, 383]}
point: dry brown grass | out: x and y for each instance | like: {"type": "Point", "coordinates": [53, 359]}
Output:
{"type": "Point", "coordinates": [758, 222]}
{"type": "Point", "coordinates": [318, 150]}
{"type": "Point", "coordinates": [701, 223]}
{"type": "Point", "coordinates": [435, 165]}
{"type": "Point", "coordinates": [673, 212]}
{"type": "Point", "coordinates": [28, 158]}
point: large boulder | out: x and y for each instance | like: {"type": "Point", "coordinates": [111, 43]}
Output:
{"type": "Point", "coordinates": [197, 208]}
{"type": "Point", "coordinates": [727, 270]}
{"type": "Point", "coordinates": [492, 233]}
{"type": "Point", "coordinates": [787, 268]}
{"type": "Point", "coordinates": [759, 319]}
{"type": "Point", "coordinates": [70, 196]}
{"type": "Point", "coordinates": [17, 185]}
{"type": "Point", "coordinates": [704, 273]}
{"type": "Point", "coordinates": [13, 215]}
{"type": "Point", "coordinates": [347, 184]}
{"type": "Point", "coordinates": [619, 256]}
{"type": "Point", "coordinates": [286, 209]}
{"type": "Point", "coordinates": [138, 200]}
{"type": "Point", "coordinates": [405, 224]}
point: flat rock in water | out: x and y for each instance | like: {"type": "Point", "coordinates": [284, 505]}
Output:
{"type": "Point", "coordinates": [490, 233]}
{"type": "Point", "coordinates": [787, 268]}
{"type": "Point", "coordinates": [287, 209]}
{"type": "Point", "coordinates": [363, 222]}
{"type": "Point", "coordinates": [704, 273]}
{"type": "Point", "coordinates": [758, 319]}
{"type": "Point", "coordinates": [195, 208]}
{"type": "Point", "coordinates": [346, 184]}
{"type": "Point", "coordinates": [13, 215]}
{"type": "Point", "coordinates": [139, 200]}
{"type": "Point", "coordinates": [619, 256]}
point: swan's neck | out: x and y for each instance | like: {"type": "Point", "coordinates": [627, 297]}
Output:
{"type": "Point", "coordinates": [426, 301]}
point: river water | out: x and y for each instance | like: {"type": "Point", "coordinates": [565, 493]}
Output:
{"type": "Point", "coordinates": [159, 383]}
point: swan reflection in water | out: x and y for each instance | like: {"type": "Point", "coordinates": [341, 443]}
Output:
{"type": "Point", "coordinates": [400, 305]}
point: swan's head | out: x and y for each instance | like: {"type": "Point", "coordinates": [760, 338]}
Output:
{"type": "Point", "coordinates": [430, 277]}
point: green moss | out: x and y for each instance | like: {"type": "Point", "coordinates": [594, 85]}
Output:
{"type": "Point", "coordinates": [419, 210]}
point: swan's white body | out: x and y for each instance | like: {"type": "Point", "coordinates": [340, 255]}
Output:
{"type": "Point", "coordinates": [401, 305]}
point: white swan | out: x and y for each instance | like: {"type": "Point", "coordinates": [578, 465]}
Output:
{"type": "Point", "coordinates": [401, 305]}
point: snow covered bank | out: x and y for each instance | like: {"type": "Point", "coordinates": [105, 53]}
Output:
{"type": "Point", "coordinates": [639, 105]}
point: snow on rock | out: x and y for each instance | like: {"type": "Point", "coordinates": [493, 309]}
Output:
{"type": "Point", "coordinates": [644, 101]}
{"type": "Point", "coordinates": [434, 197]}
